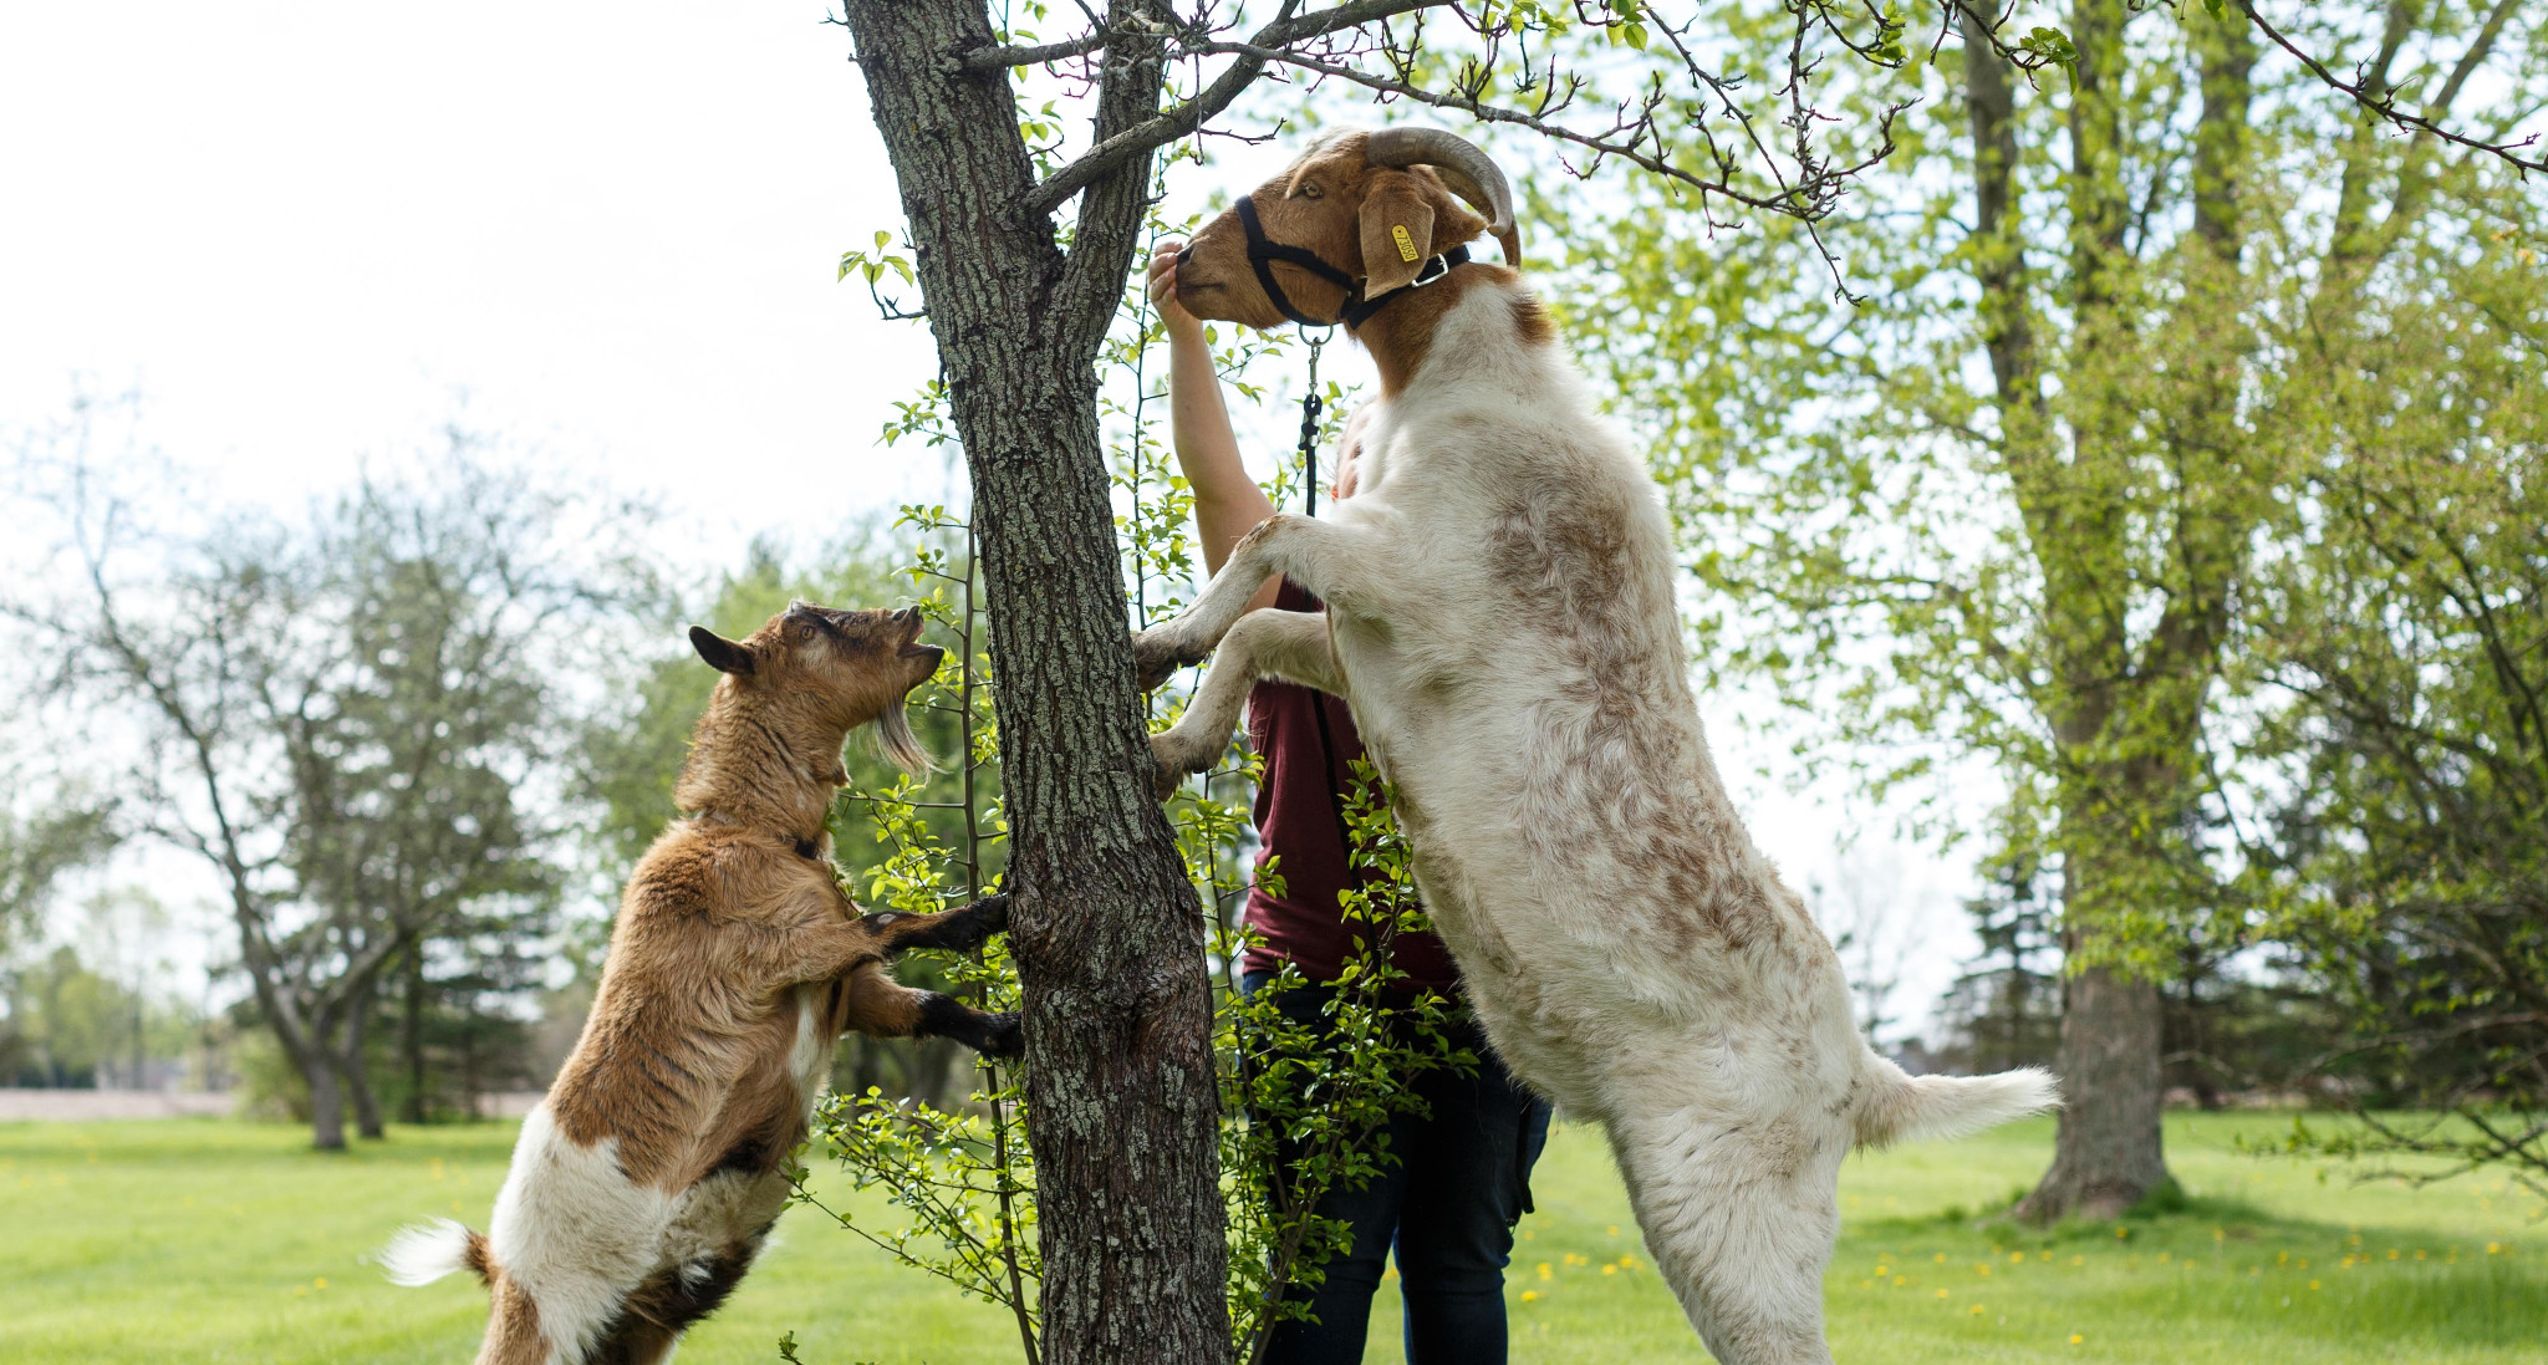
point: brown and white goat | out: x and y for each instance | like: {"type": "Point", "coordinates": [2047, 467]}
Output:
{"type": "Point", "coordinates": [1500, 614]}
{"type": "Point", "coordinates": [646, 1182]}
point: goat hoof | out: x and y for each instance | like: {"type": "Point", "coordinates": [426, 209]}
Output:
{"type": "Point", "coordinates": [1003, 1036]}
{"type": "Point", "coordinates": [994, 913]}
{"type": "Point", "coordinates": [883, 920]}
{"type": "Point", "coordinates": [1156, 653]}
{"type": "Point", "coordinates": [1170, 764]}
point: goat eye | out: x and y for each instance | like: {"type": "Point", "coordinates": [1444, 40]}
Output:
{"type": "Point", "coordinates": [1310, 190]}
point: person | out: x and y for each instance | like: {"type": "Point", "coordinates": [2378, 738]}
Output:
{"type": "Point", "coordinates": [1458, 1177]}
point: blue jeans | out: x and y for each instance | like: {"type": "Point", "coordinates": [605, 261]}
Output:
{"type": "Point", "coordinates": [1457, 1181]}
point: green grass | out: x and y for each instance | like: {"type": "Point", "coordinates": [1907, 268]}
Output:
{"type": "Point", "coordinates": [211, 1241]}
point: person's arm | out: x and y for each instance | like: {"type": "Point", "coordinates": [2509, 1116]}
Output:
{"type": "Point", "coordinates": [1227, 503]}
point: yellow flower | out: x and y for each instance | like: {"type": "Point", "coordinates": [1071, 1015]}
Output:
{"type": "Point", "coordinates": [2121, 1232]}
{"type": "Point", "coordinates": [1940, 1258]}
{"type": "Point", "coordinates": [1614, 1229]}
{"type": "Point", "coordinates": [1545, 1272]}
{"type": "Point", "coordinates": [2076, 1338]}
{"type": "Point", "coordinates": [1610, 1270]}
{"type": "Point", "coordinates": [1977, 1310]}
{"type": "Point", "coordinates": [1530, 1296]}
{"type": "Point", "coordinates": [2017, 1258]}
{"type": "Point", "coordinates": [2313, 1286]}
{"type": "Point", "coordinates": [2494, 1248]}
{"type": "Point", "coordinates": [1942, 1294]}
{"type": "Point", "coordinates": [319, 1283]}
{"type": "Point", "coordinates": [1901, 1280]}
{"type": "Point", "coordinates": [2393, 1253]}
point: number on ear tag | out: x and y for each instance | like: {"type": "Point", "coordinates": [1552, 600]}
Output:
{"type": "Point", "coordinates": [1406, 244]}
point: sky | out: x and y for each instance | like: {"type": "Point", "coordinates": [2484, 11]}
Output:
{"type": "Point", "coordinates": [306, 235]}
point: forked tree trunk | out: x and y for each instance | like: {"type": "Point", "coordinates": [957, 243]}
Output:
{"type": "Point", "coordinates": [1107, 933]}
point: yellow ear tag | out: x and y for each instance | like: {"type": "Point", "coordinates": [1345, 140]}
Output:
{"type": "Point", "coordinates": [1406, 244]}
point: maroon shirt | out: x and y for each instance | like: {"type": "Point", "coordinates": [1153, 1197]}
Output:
{"type": "Point", "coordinates": [1297, 821]}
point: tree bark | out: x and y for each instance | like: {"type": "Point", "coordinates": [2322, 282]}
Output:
{"type": "Point", "coordinates": [2107, 1156]}
{"type": "Point", "coordinates": [411, 1035]}
{"type": "Point", "coordinates": [327, 1102]}
{"type": "Point", "coordinates": [1106, 931]}
{"type": "Point", "coordinates": [357, 1070]}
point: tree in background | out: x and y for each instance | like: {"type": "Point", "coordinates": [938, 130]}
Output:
{"type": "Point", "coordinates": [57, 832]}
{"type": "Point", "coordinates": [360, 725]}
{"type": "Point", "coordinates": [2012, 504]}
{"type": "Point", "coordinates": [2400, 649]}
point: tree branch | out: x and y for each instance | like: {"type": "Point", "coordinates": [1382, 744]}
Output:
{"type": "Point", "coordinates": [2365, 91]}
{"type": "Point", "coordinates": [1143, 138]}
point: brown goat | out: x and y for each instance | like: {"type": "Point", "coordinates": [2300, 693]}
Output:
{"type": "Point", "coordinates": [646, 1182]}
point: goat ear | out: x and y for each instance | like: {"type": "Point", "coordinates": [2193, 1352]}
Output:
{"type": "Point", "coordinates": [1397, 231]}
{"type": "Point", "coordinates": [721, 654]}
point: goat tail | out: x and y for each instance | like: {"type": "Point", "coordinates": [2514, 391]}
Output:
{"type": "Point", "coordinates": [1906, 1106]}
{"type": "Point", "coordinates": [428, 1251]}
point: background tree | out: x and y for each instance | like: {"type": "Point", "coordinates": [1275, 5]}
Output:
{"type": "Point", "coordinates": [358, 725]}
{"type": "Point", "coordinates": [2015, 499]}
{"type": "Point", "coordinates": [2400, 645]}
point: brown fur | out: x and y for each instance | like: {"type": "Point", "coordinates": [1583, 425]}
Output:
{"type": "Point", "coordinates": [688, 1060]}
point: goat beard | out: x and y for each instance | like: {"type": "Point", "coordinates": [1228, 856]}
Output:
{"type": "Point", "coordinates": [899, 745]}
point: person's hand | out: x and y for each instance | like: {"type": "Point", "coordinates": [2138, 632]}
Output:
{"type": "Point", "coordinates": [1181, 324]}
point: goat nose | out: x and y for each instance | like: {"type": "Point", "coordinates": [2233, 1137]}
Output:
{"type": "Point", "coordinates": [1187, 251]}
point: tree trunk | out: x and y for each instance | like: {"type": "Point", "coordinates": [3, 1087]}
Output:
{"type": "Point", "coordinates": [327, 1102]}
{"type": "Point", "coordinates": [357, 1070]}
{"type": "Point", "coordinates": [411, 1035]}
{"type": "Point", "coordinates": [1106, 931]}
{"type": "Point", "coordinates": [2107, 1156]}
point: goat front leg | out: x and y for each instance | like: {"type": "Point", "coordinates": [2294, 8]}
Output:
{"type": "Point", "coordinates": [1288, 646]}
{"type": "Point", "coordinates": [962, 930]}
{"type": "Point", "coordinates": [881, 1007]}
{"type": "Point", "coordinates": [1345, 565]}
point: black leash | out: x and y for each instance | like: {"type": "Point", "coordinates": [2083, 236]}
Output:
{"type": "Point", "coordinates": [1312, 404]}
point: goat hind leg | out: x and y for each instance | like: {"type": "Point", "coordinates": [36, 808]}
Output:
{"type": "Point", "coordinates": [1740, 1236]}
{"type": "Point", "coordinates": [1290, 646]}
{"type": "Point", "coordinates": [1338, 563]}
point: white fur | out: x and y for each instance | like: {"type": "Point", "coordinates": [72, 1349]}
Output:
{"type": "Point", "coordinates": [576, 1235]}
{"type": "Point", "coordinates": [425, 1253]}
{"type": "Point", "coordinates": [1629, 949]}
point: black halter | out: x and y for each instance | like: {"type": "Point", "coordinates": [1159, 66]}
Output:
{"type": "Point", "coordinates": [1263, 254]}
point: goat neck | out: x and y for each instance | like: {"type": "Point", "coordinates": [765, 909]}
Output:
{"type": "Point", "coordinates": [1400, 336]}
{"type": "Point", "coordinates": [762, 767]}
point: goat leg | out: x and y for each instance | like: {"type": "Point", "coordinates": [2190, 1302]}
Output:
{"type": "Point", "coordinates": [881, 1007]}
{"type": "Point", "coordinates": [1291, 646]}
{"type": "Point", "coordinates": [961, 930]}
{"type": "Point", "coordinates": [1344, 565]}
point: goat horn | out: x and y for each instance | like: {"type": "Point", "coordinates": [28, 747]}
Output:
{"type": "Point", "coordinates": [1470, 173]}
